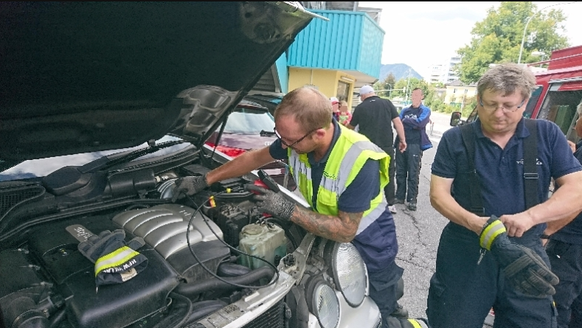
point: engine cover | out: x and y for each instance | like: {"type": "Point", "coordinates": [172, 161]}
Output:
{"type": "Point", "coordinates": [181, 235]}
{"type": "Point", "coordinates": [70, 275]}
{"type": "Point", "coordinates": [54, 249]}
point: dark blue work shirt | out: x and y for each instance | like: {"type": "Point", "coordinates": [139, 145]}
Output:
{"type": "Point", "coordinates": [572, 232]}
{"type": "Point", "coordinates": [500, 171]}
{"type": "Point", "coordinates": [377, 243]}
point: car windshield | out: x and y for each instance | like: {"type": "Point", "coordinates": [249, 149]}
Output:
{"type": "Point", "coordinates": [249, 121]}
{"type": "Point", "coordinates": [44, 166]}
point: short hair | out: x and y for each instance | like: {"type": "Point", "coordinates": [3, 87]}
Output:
{"type": "Point", "coordinates": [421, 91]}
{"type": "Point", "coordinates": [343, 103]}
{"type": "Point", "coordinates": [310, 108]}
{"type": "Point", "coordinates": [507, 78]}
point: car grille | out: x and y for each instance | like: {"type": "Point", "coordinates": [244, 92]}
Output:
{"type": "Point", "coordinates": [273, 318]}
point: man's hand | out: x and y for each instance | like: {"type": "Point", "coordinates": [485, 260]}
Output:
{"type": "Point", "coordinates": [272, 202]}
{"type": "Point", "coordinates": [524, 270]}
{"type": "Point", "coordinates": [572, 146]}
{"type": "Point", "coordinates": [189, 185]}
{"type": "Point", "coordinates": [517, 224]}
{"type": "Point", "coordinates": [402, 146]}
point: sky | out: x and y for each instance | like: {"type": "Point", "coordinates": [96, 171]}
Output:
{"type": "Point", "coordinates": [421, 34]}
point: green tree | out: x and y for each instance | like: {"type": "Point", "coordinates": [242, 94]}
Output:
{"type": "Point", "coordinates": [497, 38]}
{"type": "Point", "coordinates": [388, 84]}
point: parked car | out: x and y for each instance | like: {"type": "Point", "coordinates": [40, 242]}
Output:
{"type": "Point", "coordinates": [251, 126]}
{"type": "Point", "coordinates": [103, 105]}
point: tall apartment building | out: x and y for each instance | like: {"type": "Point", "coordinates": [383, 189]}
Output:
{"type": "Point", "coordinates": [444, 72]}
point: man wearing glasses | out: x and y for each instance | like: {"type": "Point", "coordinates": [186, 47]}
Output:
{"type": "Point", "coordinates": [341, 174]}
{"type": "Point", "coordinates": [491, 256]}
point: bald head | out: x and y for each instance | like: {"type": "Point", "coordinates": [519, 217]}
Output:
{"type": "Point", "coordinates": [310, 108]}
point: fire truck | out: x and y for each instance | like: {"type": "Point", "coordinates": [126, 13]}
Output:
{"type": "Point", "coordinates": [559, 90]}
{"type": "Point", "coordinates": [557, 94]}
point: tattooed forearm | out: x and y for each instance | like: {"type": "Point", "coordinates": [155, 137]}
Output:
{"type": "Point", "coordinates": [341, 228]}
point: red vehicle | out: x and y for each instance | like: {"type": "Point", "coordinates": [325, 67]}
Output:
{"type": "Point", "coordinates": [558, 92]}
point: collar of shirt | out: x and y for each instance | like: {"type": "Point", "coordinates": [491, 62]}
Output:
{"type": "Point", "coordinates": [323, 160]}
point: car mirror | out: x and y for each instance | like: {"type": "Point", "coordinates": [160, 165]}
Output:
{"type": "Point", "coordinates": [455, 118]}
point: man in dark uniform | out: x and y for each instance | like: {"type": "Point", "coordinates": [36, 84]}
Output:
{"type": "Point", "coordinates": [414, 119]}
{"type": "Point", "coordinates": [491, 255]}
{"type": "Point", "coordinates": [374, 117]}
{"type": "Point", "coordinates": [564, 249]}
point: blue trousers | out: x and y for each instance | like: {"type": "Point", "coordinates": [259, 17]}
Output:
{"type": "Point", "coordinates": [384, 290]}
{"type": "Point", "coordinates": [407, 173]}
{"type": "Point", "coordinates": [462, 292]}
{"type": "Point", "coordinates": [566, 260]}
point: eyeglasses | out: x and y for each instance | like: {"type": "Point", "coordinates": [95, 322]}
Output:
{"type": "Point", "coordinates": [506, 108]}
{"type": "Point", "coordinates": [293, 143]}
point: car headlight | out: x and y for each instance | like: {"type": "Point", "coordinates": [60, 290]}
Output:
{"type": "Point", "coordinates": [323, 302]}
{"type": "Point", "coordinates": [349, 272]}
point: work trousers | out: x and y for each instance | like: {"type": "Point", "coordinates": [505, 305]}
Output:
{"type": "Point", "coordinates": [391, 186]}
{"type": "Point", "coordinates": [462, 292]}
{"type": "Point", "coordinates": [566, 260]}
{"type": "Point", "coordinates": [384, 290]}
{"type": "Point", "coordinates": [407, 173]}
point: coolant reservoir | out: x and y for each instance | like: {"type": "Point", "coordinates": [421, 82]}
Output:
{"type": "Point", "coordinates": [266, 241]}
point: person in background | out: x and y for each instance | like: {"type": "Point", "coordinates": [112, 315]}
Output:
{"type": "Point", "coordinates": [344, 113]}
{"type": "Point", "coordinates": [490, 254]}
{"type": "Point", "coordinates": [335, 107]}
{"type": "Point", "coordinates": [564, 248]}
{"type": "Point", "coordinates": [414, 118]}
{"type": "Point", "coordinates": [341, 174]}
{"type": "Point", "coordinates": [375, 117]}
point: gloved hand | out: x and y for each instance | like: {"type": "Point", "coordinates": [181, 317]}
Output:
{"type": "Point", "coordinates": [115, 261]}
{"type": "Point", "coordinates": [189, 185]}
{"type": "Point", "coordinates": [272, 202]}
{"type": "Point", "coordinates": [524, 270]}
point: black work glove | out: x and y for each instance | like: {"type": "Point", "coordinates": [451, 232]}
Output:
{"type": "Point", "coordinates": [524, 270]}
{"type": "Point", "coordinates": [272, 202]}
{"type": "Point", "coordinates": [189, 185]}
{"type": "Point", "coordinates": [115, 260]}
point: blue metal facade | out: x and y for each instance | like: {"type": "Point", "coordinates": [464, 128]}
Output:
{"type": "Point", "coordinates": [348, 41]}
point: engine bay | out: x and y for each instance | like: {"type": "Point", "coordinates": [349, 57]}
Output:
{"type": "Point", "coordinates": [204, 252]}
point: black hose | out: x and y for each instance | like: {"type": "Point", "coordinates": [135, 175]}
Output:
{"type": "Point", "coordinates": [192, 289]}
{"type": "Point", "coordinates": [204, 308]}
{"type": "Point", "coordinates": [232, 270]}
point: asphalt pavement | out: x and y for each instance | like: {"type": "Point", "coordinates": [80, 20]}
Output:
{"type": "Point", "coordinates": [419, 231]}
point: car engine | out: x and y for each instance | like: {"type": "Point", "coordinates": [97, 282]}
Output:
{"type": "Point", "coordinates": [193, 249]}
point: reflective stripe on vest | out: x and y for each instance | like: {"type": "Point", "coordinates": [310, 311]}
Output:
{"type": "Point", "coordinates": [114, 259]}
{"type": "Point", "coordinates": [346, 159]}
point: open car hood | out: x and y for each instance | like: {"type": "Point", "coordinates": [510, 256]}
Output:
{"type": "Point", "coordinates": [89, 76]}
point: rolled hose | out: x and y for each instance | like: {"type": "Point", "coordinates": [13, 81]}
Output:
{"type": "Point", "coordinates": [192, 289]}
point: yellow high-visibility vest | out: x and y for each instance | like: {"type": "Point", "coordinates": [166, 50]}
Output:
{"type": "Point", "coordinates": [347, 157]}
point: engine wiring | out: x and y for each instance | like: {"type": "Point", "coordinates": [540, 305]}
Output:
{"type": "Point", "coordinates": [206, 218]}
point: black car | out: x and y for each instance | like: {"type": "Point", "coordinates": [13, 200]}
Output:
{"type": "Point", "coordinates": [103, 105]}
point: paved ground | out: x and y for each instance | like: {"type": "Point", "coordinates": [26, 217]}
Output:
{"type": "Point", "coordinates": [419, 232]}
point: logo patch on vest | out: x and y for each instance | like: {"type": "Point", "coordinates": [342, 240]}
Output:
{"type": "Point", "coordinates": [329, 176]}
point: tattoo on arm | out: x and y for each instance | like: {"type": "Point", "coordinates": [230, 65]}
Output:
{"type": "Point", "coordinates": [341, 228]}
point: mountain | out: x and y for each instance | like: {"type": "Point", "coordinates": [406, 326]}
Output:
{"type": "Point", "coordinates": [400, 71]}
